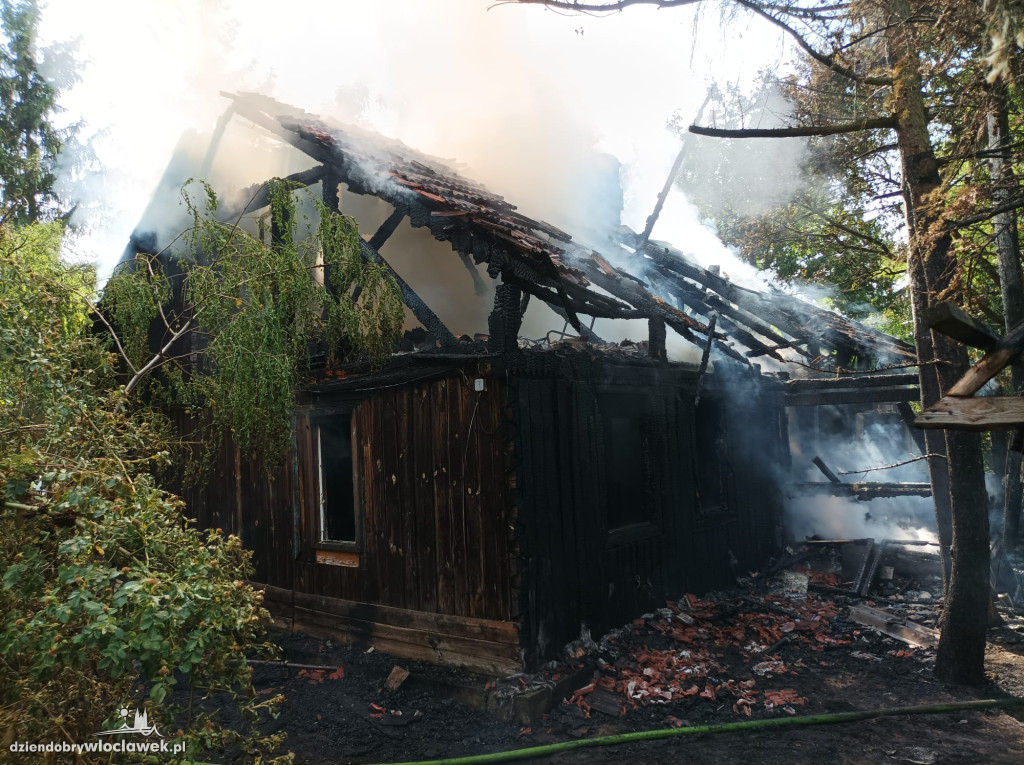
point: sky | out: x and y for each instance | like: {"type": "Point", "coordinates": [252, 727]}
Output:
{"type": "Point", "coordinates": [519, 96]}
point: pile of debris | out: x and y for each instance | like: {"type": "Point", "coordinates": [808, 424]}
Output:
{"type": "Point", "coordinates": [757, 652]}
{"type": "Point", "coordinates": [690, 649]}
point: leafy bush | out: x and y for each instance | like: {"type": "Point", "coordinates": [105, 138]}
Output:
{"type": "Point", "coordinates": [109, 596]}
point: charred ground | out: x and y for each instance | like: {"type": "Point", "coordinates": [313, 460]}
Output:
{"type": "Point", "coordinates": [751, 653]}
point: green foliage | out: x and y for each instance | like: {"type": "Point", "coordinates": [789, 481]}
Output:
{"type": "Point", "coordinates": [250, 313]}
{"type": "Point", "coordinates": [29, 141]}
{"type": "Point", "coordinates": [802, 208]}
{"type": "Point", "coordinates": [819, 241]}
{"type": "Point", "coordinates": [105, 583]}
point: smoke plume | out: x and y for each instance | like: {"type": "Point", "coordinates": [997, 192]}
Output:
{"type": "Point", "coordinates": [524, 100]}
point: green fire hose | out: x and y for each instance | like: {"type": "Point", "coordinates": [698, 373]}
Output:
{"type": "Point", "coordinates": [698, 730]}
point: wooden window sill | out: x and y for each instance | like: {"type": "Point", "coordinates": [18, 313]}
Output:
{"type": "Point", "coordinates": [338, 558]}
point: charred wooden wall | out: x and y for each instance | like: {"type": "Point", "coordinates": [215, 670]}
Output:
{"type": "Point", "coordinates": [246, 497]}
{"type": "Point", "coordinates": [575, 569]}
{"type": "Point", "coordinates": [486, 523]}
{"type": "Point", "coordinates": [435, 511]}
{"type": "Point", "coordinates": [432, 576]}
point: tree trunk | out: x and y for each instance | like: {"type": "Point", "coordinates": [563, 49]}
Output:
{"type": "Point", "coordinates": [934, 440]}
{"type": "Point", "coordinates": [921, 176]}
{"type": "Point", "coordinates": [1010, 283]}
{"type": "Point", "coordinates": [961, 653]}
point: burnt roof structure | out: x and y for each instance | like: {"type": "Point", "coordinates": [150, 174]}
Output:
{"type": "Point", "coordinates": [661, 283]}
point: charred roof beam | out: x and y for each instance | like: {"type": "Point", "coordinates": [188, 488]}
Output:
{"type": "Point", "coordinates": [479, 285]}
{"type": "Point", "coordinates": [420, 310]}
{"type": "Point", "coordinates": [387, 228]}
{"type": "Point", "coordinates": [691, 297]}
{"type": "Point", "coordinates": [838, 329]}
{"type": "Point", "coordinates": [755, 346]}
{"type": "Point", "coordinates": [476, 221]}
{"type": "Point", "coordinates": [650, 306]}
{"type": "Point", "coordinates": [745, 299]}
{"type": "Point", "coordinates": [552, 298]}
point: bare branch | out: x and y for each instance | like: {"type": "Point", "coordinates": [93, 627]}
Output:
{"type": "Point", "coordinates": [157, 359]}
{"type": "Point", "coordinates": [822, 58]}
{"type": "Point", "coordinates": [868, 35]}
{"type": "Point", "coordinates": [878, 150]}
{"type": "Point", "coordinates": [1015, 204]}
{"type": "Point", "coordinates": [879, 244]}
{"type": "Point", "coordinates": [113, 334]}
{"type": "Point", "coordinates": [797, 131]}
{"type": "Point", "coordinates": [159, 304]}
{"type": "Point", "coordinates": [827, 60]}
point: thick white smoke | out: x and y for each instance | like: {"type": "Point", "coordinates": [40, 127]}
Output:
{"type": "Point", "coordinates": [522, 97]}
{"type": "Point", "coordinates": [856, 438]}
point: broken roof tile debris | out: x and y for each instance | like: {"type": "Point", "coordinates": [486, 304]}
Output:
{"type": "Point", "coordinates": [691, 647]}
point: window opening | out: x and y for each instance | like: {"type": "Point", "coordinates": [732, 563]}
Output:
{"type": "Point", "coordinates": [337, 521]}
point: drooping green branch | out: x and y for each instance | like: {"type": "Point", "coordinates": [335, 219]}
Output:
{"type": "Point", "coordinates": [248, 312]}
{"type": "Point", "coordinates": [104, 580]}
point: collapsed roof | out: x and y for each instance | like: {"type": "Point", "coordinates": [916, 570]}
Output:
{"type": "Point", "coordinates": [633, 279]}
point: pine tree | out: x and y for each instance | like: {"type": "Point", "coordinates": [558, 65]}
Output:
{"type": "Point", "coordinates": [29, 141]}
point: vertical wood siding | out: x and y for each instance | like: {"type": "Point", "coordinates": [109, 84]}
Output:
{"type": "Point", "coordinates": [572, 572]}
{"type": "Point", "coordinates": [246, 497]}
{"type": "Point", "coordinates": [493, 505]}
{"type": "Point", "coordinates": [435, 503]}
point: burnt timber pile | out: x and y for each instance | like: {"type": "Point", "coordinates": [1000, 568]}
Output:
{"type": "Point", "coordinates": [481, 501]}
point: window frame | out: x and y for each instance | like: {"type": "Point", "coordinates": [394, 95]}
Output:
{"type": "Point", "coordinates": [318, 419]}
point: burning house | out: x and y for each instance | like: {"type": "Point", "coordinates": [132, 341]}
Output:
{"type": "Point", "coordinates": [481, 499]}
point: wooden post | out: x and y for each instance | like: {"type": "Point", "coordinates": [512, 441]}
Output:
{"type": "Point", "coordinates": [704, 360]}
{"type": "Point", "coordinates": [505, 319]}
{"type": "Point", "coordinates": [656, 339]}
